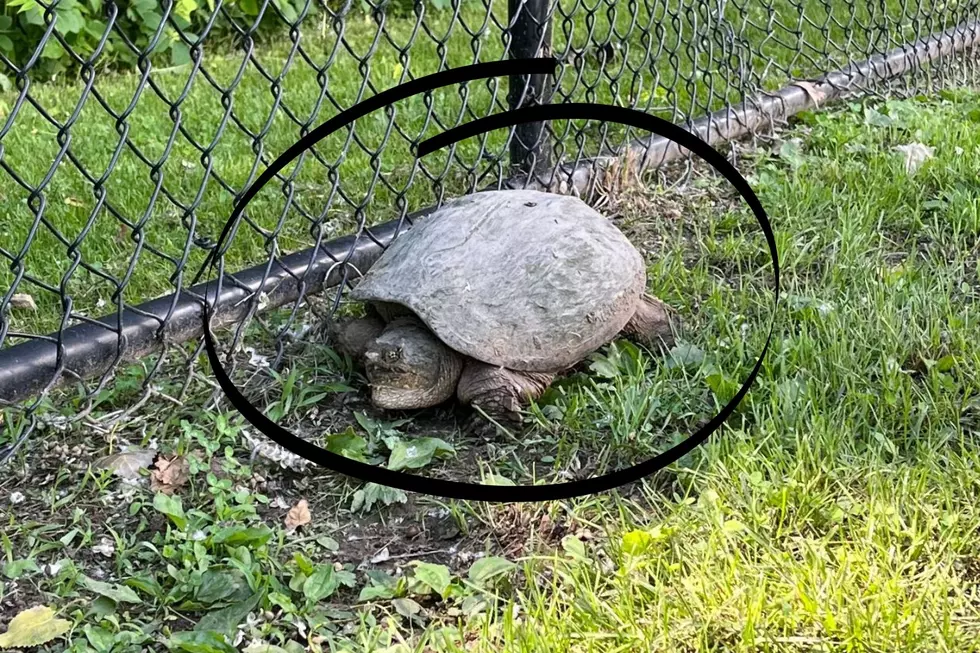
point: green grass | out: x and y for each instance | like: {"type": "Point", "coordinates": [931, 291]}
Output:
{"type": "Point", "coordinates": [145, 247]}
{"type": "Point", "coordinates": [836, 511]}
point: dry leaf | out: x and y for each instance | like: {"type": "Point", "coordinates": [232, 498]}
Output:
{"type": "Point", "coordinates": [23, 300]}
{"type": "Point", "coordinates": [815, 96]}
{"type": "Point", "coordinates": [298, 515]}
{"type": "Point", "coordinates": [127, 464]}
{"type": "Point", "coordinates": [33, 627]}
{"type": "Point", "coordinates": [169, 475]}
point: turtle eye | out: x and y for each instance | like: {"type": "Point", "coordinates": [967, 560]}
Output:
{"type": "Point", "coordinates": [393, 354]}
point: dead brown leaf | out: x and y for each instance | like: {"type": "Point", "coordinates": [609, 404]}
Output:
{"type": "Point", "coordinates": [816, 96]}
{"type": "Point", "coordinates": [298, 515]}
{"type": "Point", "coordinates": [169, 475]}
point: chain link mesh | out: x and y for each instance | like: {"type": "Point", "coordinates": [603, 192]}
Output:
{"type": "Point", "coordinates": [116, 183]}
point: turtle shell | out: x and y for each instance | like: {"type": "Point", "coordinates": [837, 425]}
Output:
{"type": "Point", "coordinates": [525, 280]}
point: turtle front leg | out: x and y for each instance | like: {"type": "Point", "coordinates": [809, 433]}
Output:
{"type": "Point", "coordinates": [499, 392]}
{"type": "Point", "coordinates": [351, 336]}
{"type": "Point", "coordinates": [654, 324]}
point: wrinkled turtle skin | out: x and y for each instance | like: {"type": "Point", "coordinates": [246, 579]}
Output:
{"type": "Point", "coordinates": [493, 295]}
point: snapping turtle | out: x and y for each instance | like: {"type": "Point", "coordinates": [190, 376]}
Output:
{"type": "Point", "coordinates": [492, 296]}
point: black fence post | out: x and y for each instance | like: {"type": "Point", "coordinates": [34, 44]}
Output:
{"type": "Point", "coordinates": [530, 28]}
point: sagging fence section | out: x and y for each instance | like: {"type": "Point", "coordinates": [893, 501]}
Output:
{"type": "Point", "coordinates": [128, 131]}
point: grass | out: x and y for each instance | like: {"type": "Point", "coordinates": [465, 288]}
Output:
{"type": "Point", "coordinates": [836, 511]}
{"type": "Point", "coordinates": [148, 239]}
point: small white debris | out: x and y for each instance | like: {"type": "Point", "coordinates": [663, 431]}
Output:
{"type": "Point", "coordinates": [381, 556]}
{"type": "Point", "coordinates": [280, 503]}
{"type": "Point", "coordinates": [958, 150]}
{"type": "Point", "coordinates": [198, 536]}
{"type": "Point", "coordinates": [300, 331]}
{"type": "Point", "coordinates": [128, 487]}
{"type": "Point", "coordinates": [300, 627]}
{"type": "Point", "coordinates": [256, 360]}
{"type": "Point", "coordinates": [54, 567]}
{"type": "Point", "coordinates": [58, 422]}
{"type": "Point", "coordinates": [17, 497]}
{"type": "Point", "coordinates": [106, 547]}
{"type": "Point", "coordinates": [263, 302]}
{"type": "Point", "coordinates": [915, 155]}
{"type": "Point", "coordinates": [24, 301]}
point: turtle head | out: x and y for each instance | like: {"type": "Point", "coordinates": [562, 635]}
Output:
{"type": "Point", "coordinates": [408, 367]}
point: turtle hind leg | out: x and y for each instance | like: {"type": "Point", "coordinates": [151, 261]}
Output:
{"type": "Point", "coordinates": [499, 392]}
{"type": "Point", "coordinates": [653, 324]}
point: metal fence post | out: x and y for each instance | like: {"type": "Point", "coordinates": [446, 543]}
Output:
{"type": "Point", "coordinates": [530, 29]}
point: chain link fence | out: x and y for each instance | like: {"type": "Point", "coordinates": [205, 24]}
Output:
{"type": "Point", "coordinates": [119, 173]}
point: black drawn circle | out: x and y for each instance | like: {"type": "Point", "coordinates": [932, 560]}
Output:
{"type": "Point", "coordinates": [571, 111]}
